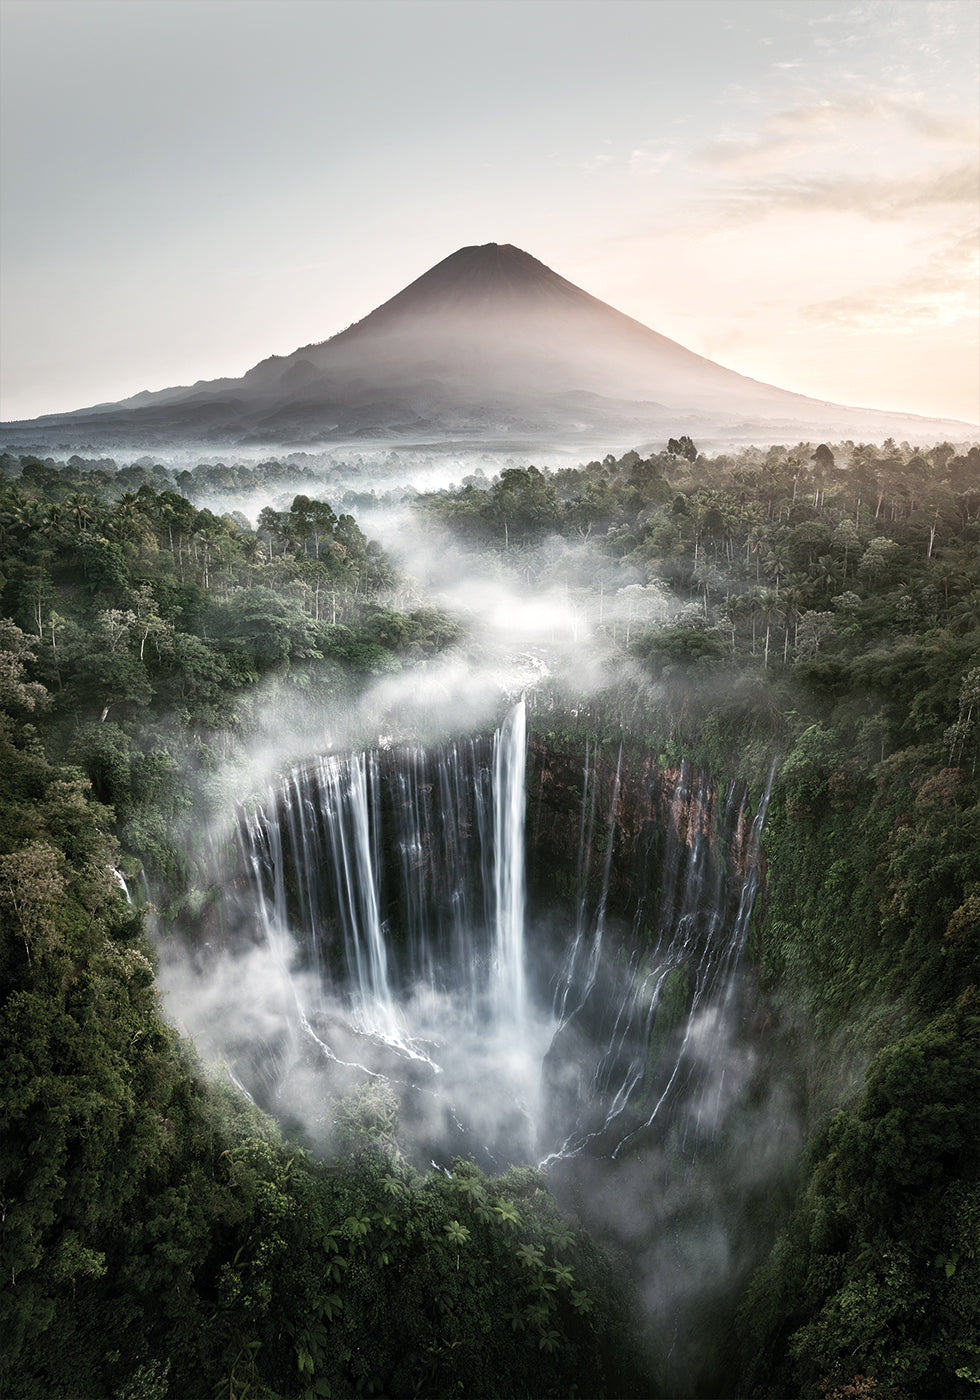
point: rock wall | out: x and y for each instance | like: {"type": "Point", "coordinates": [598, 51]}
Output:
{"type": "Point", "coordinates": [611, 815]}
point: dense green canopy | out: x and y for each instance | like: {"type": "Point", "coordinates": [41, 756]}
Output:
{"type": "Point", "coordinates": [819, 605]}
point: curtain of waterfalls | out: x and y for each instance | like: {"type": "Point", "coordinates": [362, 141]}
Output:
{"type": "Point", "coordinates": [397, 878]}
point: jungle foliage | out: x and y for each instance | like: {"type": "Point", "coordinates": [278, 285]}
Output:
{"type": "Point", "coordinates": [162, 632]}
{"type": "Point", "coordinates": [161, 1238]}
{"type": "Point", "coordinates": [824, 610]}
{"type": "Point", "coordinates": [816, 605]}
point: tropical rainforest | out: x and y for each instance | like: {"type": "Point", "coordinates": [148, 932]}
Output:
{"type": "Point", "coordinates": [816, 606]}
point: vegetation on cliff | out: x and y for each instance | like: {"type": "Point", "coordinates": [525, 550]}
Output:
{"type": "Point", "coordinates": [819, 605]}
{"type": "Point", "coordinates": [824, 608]}
{"type": "Point", "coordinates": [160, 1236]}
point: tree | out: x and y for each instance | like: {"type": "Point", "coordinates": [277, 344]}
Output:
{"type": "Point", "coordinates": [30, 884]}
{"type": "Point", "coordinates": [81, 511]}
{"type": "Point", "coordinates": [104, 563]}
{"type": "Point", "coordinates": [524, 503]}
{"type": "Point", "coordinates": [814, 629]}
{"type": "Point", "coordinates": [684, 649]}
{"type": "Point", "coordinates": [766, 605]}
{"type": "Point", "coordinates": [314, 520]}
{"type": "Point", "coordinates": [683, 447]}
{"type": "Point", "coordinates": [875, 559]}
{"type": "Point", "coordinates": [958, 735]}
{"type": "Point", "coordinates": [271, 630]}
{"type": "Point", "coordinates": [16, 652]}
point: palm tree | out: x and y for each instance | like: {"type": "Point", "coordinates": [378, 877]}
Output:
{"type": "Point", "coordinates": [23, 517]}
{"type": "Point", "coordinates": [755, 543]}
{"type": "Point", "coordinates": [791, 602]}
{"type": "Point", "coordinates": [777, 563]}
{"type": "Point", "coordinates": [966, 614]}
{"type": "Point", "coordinates": [768, 606]}
{"type": "Point", "coordinates": [252, 550]}
{"type": "Point", "coordinates": [948, 575]}
{"type": "Point", "coordinates": [129, 523]}
{"type": "Point", "coordinates": [81, 510]}
{"type": "Point", "coordinates": [733, 609]}
{"type": "Point", "coordinates": [846, 538]}
{"type": "Point", "coordinates": [828, 575]}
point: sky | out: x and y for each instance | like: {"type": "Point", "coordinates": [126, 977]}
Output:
{"type": "Point", "coordinates": [787, 186]}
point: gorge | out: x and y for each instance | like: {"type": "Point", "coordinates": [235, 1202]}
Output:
{"type": "Point", "coordinates": [543, 953]}
{"type": "Point", "coordinates": [619, 1038]}
{"type": "Point", "coordinates": [393, 883]}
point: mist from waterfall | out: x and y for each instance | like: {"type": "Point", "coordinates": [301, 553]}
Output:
{"type": "Point", "coordinates": [395, 878]}
{"type": "Point", "coordinates": [382, 896]}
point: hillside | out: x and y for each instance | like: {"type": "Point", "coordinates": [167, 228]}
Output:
{"type": "Point", "coordinates": [165, 1238]}
{"type": "Point", "coordinates": [490, 345]}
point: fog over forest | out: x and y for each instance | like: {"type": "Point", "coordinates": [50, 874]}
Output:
{"type": "Point", "coordinates": [489, 730]}
{"type": "Point", "coordinates": [488, 919]}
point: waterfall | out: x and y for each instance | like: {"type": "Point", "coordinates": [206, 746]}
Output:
{"type": "Point", "coordinates": [571, 976]}
{"type": "Point", "coordinates": [390, 888]}
{"type": "Point", "coordinates": [117, 875]}
{"type": "Point", "coordinates": [651, 1019]}
{"type": "Point", "coordinates": [509, 754]}
{"type": "Point", "coordinates": [352, 827]}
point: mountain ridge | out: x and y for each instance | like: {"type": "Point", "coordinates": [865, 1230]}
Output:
{"type": "Point", "coordinates": [488, 342]}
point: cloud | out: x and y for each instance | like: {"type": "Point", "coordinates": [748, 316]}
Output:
{"type": "Point", "coordinates": [832, 139]}
{"type": "Point", "coordinates": [788, 133]}
{"type": "Point", "coordinates": [875, 197]}
{"type": "Point", "coordinates": [599, 160]}
{"type": "Point", "coordinates": [941, 290]}
{"type": "Point", "coordinates": [649, 158]}
{"type": "Point", "coordinates": [840, 155]}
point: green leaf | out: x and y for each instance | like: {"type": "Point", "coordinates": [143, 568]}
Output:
{"type": "Point", "coordinates": [458, 1234]}
{"type": "Point", "coordinates": [530, 1255]}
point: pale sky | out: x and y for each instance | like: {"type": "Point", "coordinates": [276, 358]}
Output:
{"type": "Point", "coordinates": [788, 186]}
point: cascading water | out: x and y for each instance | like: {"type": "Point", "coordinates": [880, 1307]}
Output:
{"type": "Point", "coordinates": [645, 1034]}
{"type": "Point", "coordinates": [399, 876]}
{"type": "Point", "coordinates": [544, 958]}
{"type": "Point", "coordinates": [509, 747]}
{"type": "Point", "coordinates": [391, 886]}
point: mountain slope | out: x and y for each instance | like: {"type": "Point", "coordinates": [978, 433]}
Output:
{"type": "Point", "coordinates": [490, 344]}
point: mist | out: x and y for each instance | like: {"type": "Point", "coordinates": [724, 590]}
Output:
{"type": "Point", "coordinates": [567, 1084]}
{"type": "Point", "coordinates": [664, 1098]}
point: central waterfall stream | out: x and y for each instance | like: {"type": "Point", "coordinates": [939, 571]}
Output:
{"type": "Point", "coordinates": [388, 891]}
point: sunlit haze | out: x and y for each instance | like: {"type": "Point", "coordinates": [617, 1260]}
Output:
{"type": "Point", "coordinates": [790, 189]}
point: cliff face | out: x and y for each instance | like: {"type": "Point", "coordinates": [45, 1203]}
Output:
{"type": "Point", "coordinates": [613, 838]}
{"type": "Point", "coordinates": [610, 820]}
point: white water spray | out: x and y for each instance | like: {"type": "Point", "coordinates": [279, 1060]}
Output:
{"type": "Point", "coordinates": [509, 760]}
{"type": "Point", "coordinates": [397, 879]}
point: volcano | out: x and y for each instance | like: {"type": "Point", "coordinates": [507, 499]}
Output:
{"type": "Point", "coordinates": [488, 346]}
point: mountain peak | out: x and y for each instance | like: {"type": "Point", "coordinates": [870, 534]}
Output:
{"type": "Point", "coordinates": [489, 344]}
{"type": "Point", "coordinates": [484, 279]}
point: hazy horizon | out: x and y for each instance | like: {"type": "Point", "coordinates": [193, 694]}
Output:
{"type": "Point", "coordinates": [790, 191]}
